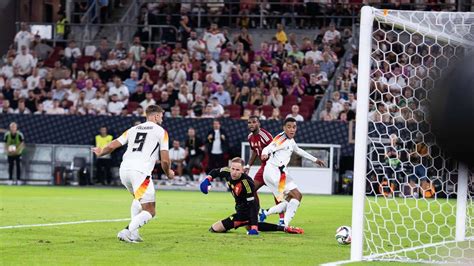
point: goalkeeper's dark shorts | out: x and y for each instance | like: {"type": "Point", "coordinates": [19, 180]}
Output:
{"type": "Point", "coordinates": [236, 220]}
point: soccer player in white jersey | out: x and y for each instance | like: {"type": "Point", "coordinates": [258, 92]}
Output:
{"type": "Point", "coordinates": [146, 143]}
{"type": "Point", "coordinates": [276, 175]}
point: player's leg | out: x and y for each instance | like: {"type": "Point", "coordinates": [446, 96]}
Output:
{"type": "Point", "coordinates": [234, 221]}
{"type": "Point", "coordinates": [294, 199]}
{"type": "Point", "coordinates": [143, 205]}
{"type": "Point", "coordinates": [272, 178]}
{"type": "Point", "coordinates": [145, 194]}
{"type": "Point", "coordinates": [268, 227]}
{"type": "Point", "coordinates": [282, 214]}
{"type": "Point", "coordinates": [258, 181]}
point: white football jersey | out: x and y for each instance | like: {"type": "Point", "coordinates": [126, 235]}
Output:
{"type": "Point", "coordinates": [281, 148]}
{"type": "Point", "coordinates": [145, 141]}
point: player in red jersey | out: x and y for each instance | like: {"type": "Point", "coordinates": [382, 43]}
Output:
{"type": "Point", "coordinates": [258, 138]}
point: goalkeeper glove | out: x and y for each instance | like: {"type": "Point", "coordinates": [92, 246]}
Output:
{"type": "Point", "coordinates": [253, 230]}
{"type": "Point", "coordinates": [205, 184]}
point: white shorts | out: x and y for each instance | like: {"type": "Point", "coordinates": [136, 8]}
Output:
{"type": "Point", "coordinates": [139, 184]}
{"type": "Point", "coordinates": [279, 183]}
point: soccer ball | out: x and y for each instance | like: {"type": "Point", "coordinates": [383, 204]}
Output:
{"type": "Point", "coordinates": [343, 235]}
{"type": "Point", "coordinates": [12, 148]}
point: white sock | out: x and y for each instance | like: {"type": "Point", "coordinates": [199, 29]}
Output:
{"type": "Point", "coordinates": [279, 208]}
{"type": "Point", "coordinates": [291, 210]}
{"type": "Point", "coordinates": [139, 220]}
{"type": "Point", "coordinates": [135, 209]}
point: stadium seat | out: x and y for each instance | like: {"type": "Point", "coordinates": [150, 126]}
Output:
{"type": "Point", "coordinates": [82, 60]}
{"type": "Point", "coordinates": [250, 106]}
{"type": "Point", "coordinates": [290, 100]}
{"type": "Point", "coordinates": [131, 106]}
{"type": "Point", "coordinates": [183, 107]}
{"type": "Point", "coordinates": [154, 75]}
{"type": "Point", "coordinates": [267, 110]}
{"type": "Point", "coordinates": [156, 95]}
{"type": "Point", "coordinates": [235, 110]}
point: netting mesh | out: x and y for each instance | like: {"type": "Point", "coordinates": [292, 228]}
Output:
{"type": "Point", "coordinates": [410, 211]}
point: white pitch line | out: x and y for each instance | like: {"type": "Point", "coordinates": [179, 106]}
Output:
{"type": "Point", "coordinates": [64, 223]}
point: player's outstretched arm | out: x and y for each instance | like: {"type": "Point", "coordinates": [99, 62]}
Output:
{"type": "Point", "coordinates": [206, 183]}
{"type": "Point", "coordinates": [165, 163]}
{"type": "Point", "coordinates": [107, 149]}
{"type": "Point", "coordinates": [308, 156]}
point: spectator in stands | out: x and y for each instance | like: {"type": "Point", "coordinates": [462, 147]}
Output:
{"type": "Point", "coordinates": [120, 90]}
{"type": "Point", "coordinates": [177, 157]}
{"type": "Point", "coordinates": [148, 100]}
{"type": "Point", "coordinates": [103, 163]}
{"type": "Point", "coordinates": [184, 96]}
{"type": "Point", "coordinates": [72, 52]}
{"type": "Point", "coordinates": [136, 49]}
{"type": "Point", "coordinates": [14, 147]}
{"type": "Point", "coordinates": [275, 98]}
{"type": "Point", "coordinates": [59, 93]}
{"type": "Point", "coordinates": [115, 106]}
{"type": "Point", "coordinates": [56, 109]}
{"type": "Point", "coordinates": [176, 75]}
{"type": "Point", "coordinates": [22, 108]}
{"type": "Point", "coordinates": [327, 114]}
{"type": "Point", "coordinates": [195, 85]}
{"type": "Point", "coordinates": [217, 109]}
{"type": "Point", "coordinates": [99, 102]}
{"type": "Point", "coordinates": [245, 39]}
{"type": "Point", "coordinates": [132, 82]}
{"type": "Point", "coordinates": [281, 35]}
{"type": "Point", "coordinates": [23, 38]}
{"type": "Point", "coordinates": [165, 102]}
{"type": "Point", "coordinates": [217, 143]}
{"type": "Point", "coordinates": [207, 112]}
{"type": "Point", "coordinates": [246, 114]}
{"type": "Point", "coordinates": [222, 96]}
{"type": "Point", "coordinates": [196, 47]}
{"type": "Point", "coordinates": [7, 69]}
{"type": "Point", "coordinates": [33, 80]}
{"type": "Point", "coordinates": [295, 113]}
{"type": "Point", "coordinates": [242, 97]}
{"type": "Point", "coordinates": [62, 27]}
{"type": "Point", "coordinates": [6, 109]}
{"type": "Point", "coordinates": [138, 96]}
{"type": "Point", "coordinates": [42, 50]}
{"type": "Point", "coordinates": [194, 153]}
{"type": "Point", "coordinates": [347, 114]}
{"type": "Point", "coordinates": [331, 35]}
{"type": "Point", "coordinates": [327, 65]}
{"type": "Point", "coordinates": [24, 62]}
{"type": "Point", "coordinates": [89, 90]}
{"type": "Point", "coordinates": [214, 41]}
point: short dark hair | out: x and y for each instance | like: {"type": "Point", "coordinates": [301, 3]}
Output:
{"type": "Point", "coordinates": [237, 160]}
{"type": "Point", "coordinates": [153, 109]}
{"type": "Point", "coordinates": [254, 117]}
{"type": "Point", "coordinates": [289, 120]}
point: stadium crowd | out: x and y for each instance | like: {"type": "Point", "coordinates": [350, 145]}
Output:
{"type": "Point", "coordinates": [210, 75]}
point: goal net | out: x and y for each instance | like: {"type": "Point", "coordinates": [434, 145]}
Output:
{"type": "Point", "coordinates": [411, 201]}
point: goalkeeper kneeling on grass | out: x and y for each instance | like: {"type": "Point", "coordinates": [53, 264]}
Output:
{"type": "Point", "coordinates": [243, 189]}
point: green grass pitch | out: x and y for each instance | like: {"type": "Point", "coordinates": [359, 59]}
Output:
{"type": "Point", "coordinates": [177, 236]}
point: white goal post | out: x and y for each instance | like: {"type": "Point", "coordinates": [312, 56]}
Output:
{"type": "Point", "coordinates": [410, 201]}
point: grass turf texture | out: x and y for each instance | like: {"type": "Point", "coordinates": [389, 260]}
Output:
{"type": "Point", "coordinates": [179, 234]}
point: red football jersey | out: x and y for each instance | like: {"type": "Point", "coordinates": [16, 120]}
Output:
{"type": "Point", "coordinates": [259, 141]}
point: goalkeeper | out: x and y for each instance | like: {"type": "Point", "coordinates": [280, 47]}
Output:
{"type": "Point", "coordinates": [243, 189]}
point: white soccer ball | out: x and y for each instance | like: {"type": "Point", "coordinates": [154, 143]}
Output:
{"type": "Point", "coordinates": [344, 235]}
{"type": "Point", "coordinates": [11, 148]}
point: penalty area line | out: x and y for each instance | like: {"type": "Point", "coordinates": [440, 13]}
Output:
{"type": "Point", "coordinates": [63, 223]}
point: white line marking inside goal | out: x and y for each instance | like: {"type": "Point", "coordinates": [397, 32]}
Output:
{"type": "Point", "coordinates": [64, 223]}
